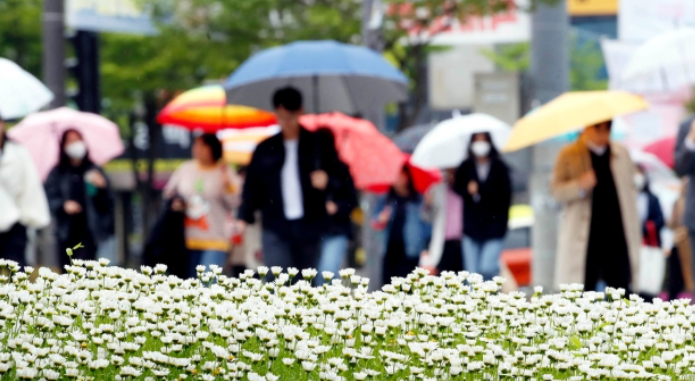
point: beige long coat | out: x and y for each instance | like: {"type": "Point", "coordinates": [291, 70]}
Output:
{"type": "Point", "coordinates": [573, 161]}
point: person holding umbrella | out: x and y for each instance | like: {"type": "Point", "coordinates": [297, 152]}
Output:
{"type": "Point", "coordinates": [22, 199]}
{"type": "Point", "coordinates": [600, 233]}
{"type": "Point", "coordinates": [288, 181]}
{"type": "Point", "coordinates": [399, 214]}
{"type": "Point", "coordinates": [80, 200]}
{"type": "Point", "coordinates": [484, 183]}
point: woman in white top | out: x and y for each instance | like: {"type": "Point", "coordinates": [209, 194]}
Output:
{"type": "Point", "coordinates": [22, 199]}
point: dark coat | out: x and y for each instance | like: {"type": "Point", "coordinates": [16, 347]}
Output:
{"type": "Point", "coordinates": [167, 243]}
{"type": "Point", "coordinates": [342, 191]}
{"type": "Point", "coordinates": [98, 208]}
{"type": "Point", "coordinates": [655, 216]}
{"type": "Point", "coordinates": [487, 217]}
{"type": "Point", "coordinates": [262, 187]}
{"type": "Point", "coordinates": [685, 167]}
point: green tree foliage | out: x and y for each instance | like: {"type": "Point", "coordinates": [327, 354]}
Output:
{"type": "Point", "coordinates": [20, 33]}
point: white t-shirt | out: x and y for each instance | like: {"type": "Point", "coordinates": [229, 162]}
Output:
{"type": "Point", "coordinates": [291, 185]}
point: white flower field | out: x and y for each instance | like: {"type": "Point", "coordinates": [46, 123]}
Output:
{"type": "Point", "coordinates": [108, 323]}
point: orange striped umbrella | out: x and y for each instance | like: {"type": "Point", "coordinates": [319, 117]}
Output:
{"type": "Point", "coordinates": [240, 144]}
{"type": "Point", "coordinates": [205, 108]}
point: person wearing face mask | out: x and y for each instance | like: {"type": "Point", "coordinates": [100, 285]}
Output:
{"type": "Point", "coordinates": [600, 234]}
{"type": "Point", "coordinates": [484, 183]}
{"type": "Point", "coordinates": [80, 200]}
{"type": "Point", "coordinates": [22, 199]}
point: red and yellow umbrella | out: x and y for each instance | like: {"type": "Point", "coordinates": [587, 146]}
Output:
{"type": "Point", "coordinates": [206, 108]}
{"type": "Point", "coordinates": [240, 144]}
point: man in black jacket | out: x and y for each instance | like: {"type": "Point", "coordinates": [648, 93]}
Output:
{"type": "Point", "coordinates": [288, 180]}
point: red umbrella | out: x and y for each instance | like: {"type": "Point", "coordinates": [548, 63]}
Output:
{"type": "Point", "coordinates": [372, 157]}
{"type": "Point", "coordinates": [664, 149]}
{"type": "Point", "coordinates": [423, 179]}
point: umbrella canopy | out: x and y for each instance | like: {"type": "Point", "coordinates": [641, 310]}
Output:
{"type": "Point", "coordinates": [206, 108]}
{"type": "Point", "coordinates": [664, 149]}
{"type": "Point", "coordinates": [571, 112]}
{"type": "Point", "coordinates": [331, 76]}
{"type": "Point", "coordinates": [656, 169]}
{"type": "Point", "coordinates": [423, 179]}
{"type": "Point", "coordinates": [446, 146]}
{"type": "Point", "coordinates": [20, 92]}
{"type": "Point", "coordinates": [40, 133]}
{"type": "Point", "coordinates": [240, 144]}
{"type": "Point", "coordinates": [670, 56]}
{"type": "Point", "coordinates": [371, 156]}
{"type": "Point", "coordinates": [409, 138]}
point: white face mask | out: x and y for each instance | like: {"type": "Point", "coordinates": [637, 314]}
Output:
{"type": "Point", "coordinates": [640, 181]}
{"type": "Point", "coordinates": [76, 150]}
{"type": "Point", "coordinates": [480, 148]}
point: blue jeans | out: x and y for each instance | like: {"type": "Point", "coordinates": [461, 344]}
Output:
{"type": "Point", "coordinates": [333, 251]}
{"type": "Point", "coordinates": [482, 257]}
{"type": "Point", "coordinates": [205, 258]}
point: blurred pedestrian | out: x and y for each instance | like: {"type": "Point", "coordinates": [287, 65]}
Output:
{"type": "Point", "coordinates": [208, 191]}
{"type": "Point", "coordinates": [399, 214]}
{"type": "Point", "coordinates": [287, 180]}
{"type": "Point", "coordinates": [341, 200]}
{"type": "Point", "coordinates": [444, 210]}
{"type": "Point", "coordinates": [484, 183]}
{"type": "Point", "coordinates": [80, 199]}
{"type": "Point", "coordinates": [600, 231]}
{"type": "Point", "coordinates": [22, 199]}
{"type": "Point", "coordinates": [651, 217]}
{"type": "Point", "coordinates": [246, 245]}
{"type": "Point", "coordinates": [685, 167]}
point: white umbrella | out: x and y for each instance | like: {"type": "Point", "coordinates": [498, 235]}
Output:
{"type": "Point", "coordinates": [20, 92]}
{"type": "Point", "coordinates": [670, 56]}
{"type": "Point", "coordinates": [446, 146]}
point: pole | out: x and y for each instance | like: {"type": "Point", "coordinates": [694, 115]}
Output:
{"type": "Point", "coordinates": [550, 78]}
{"type": "Point", "coordinates": [54, 50]}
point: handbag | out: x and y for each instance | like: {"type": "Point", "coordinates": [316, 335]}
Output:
{"type": "Point", "coordinates": [652, 268]}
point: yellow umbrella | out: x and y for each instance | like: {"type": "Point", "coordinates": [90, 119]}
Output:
{"type": "Point", "coordinates": [240, 144]}
{"type": "Point", "coordinates": [571, 112]}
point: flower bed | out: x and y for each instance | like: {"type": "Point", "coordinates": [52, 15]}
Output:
{"type": "Point", "coordinates": [108, 323]}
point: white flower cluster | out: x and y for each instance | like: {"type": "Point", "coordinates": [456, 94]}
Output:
{"type": "Point", "coordinates": [108, 323]}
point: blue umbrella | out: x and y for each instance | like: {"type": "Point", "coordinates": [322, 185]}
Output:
{"type": "Point", "coordinates": [332, 77]}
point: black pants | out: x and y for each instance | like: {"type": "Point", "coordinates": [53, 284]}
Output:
{"type": "Point", "coordinates": [452, 256]}
{"type": "Point", "coordinates": [13, 244]}
{"type": "Point", "coordinates": [291, 249]}
{"type": "Point", "coordinates": [607, 259]}
{"type": "Point", "coordinates": [396, 263]}
{"type": "Point", "coordinates": [676, 283]}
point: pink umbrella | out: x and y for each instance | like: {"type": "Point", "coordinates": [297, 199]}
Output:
{"type": "Point", "coordinates": [373, 158]}
{"type": "Point", "coordinates": [663, 149]}
{"type": "Point", "coordinates": [40, 133]}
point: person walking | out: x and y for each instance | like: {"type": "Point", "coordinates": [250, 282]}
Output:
{"type": "Point", "coordinates": [484, 183]}
{"type": "Point", "coordinates": [600, 232]}
{"type": "Point", "coordinates": [685, 167]}
{"type": "Point", "coordinates": [340, 202]}
{"type": "Point", "coordinates": [651, 217]}
{"type": "Point", "coordinates": [23, 202]}
{"type": "Point", "coordinates": [444, 210]}
{"type": "Point", "coordinates": [207, 191]}
{"type": "Point", "coordinates": [399, 215]}
{"type": "Point", "coordinates": [287, 180]}
{"type": "Point", "coordinates": [80, 200]}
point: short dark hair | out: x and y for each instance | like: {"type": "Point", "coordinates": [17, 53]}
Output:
{"type": "Point", "coordinates": [214, 143]}
{"type": "Point", "coordinates": [289, 98]}
{"type": "Point", "coordinates": [608, 122]}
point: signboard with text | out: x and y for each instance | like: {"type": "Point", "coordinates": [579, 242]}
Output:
{"type": "Point", "coordinates": [117, 16]}
{"type": "Point", "coordinates": [592, 7]}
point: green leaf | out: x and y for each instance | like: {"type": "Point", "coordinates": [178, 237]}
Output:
{"type": "Point", "coordinates": [575, 343]}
